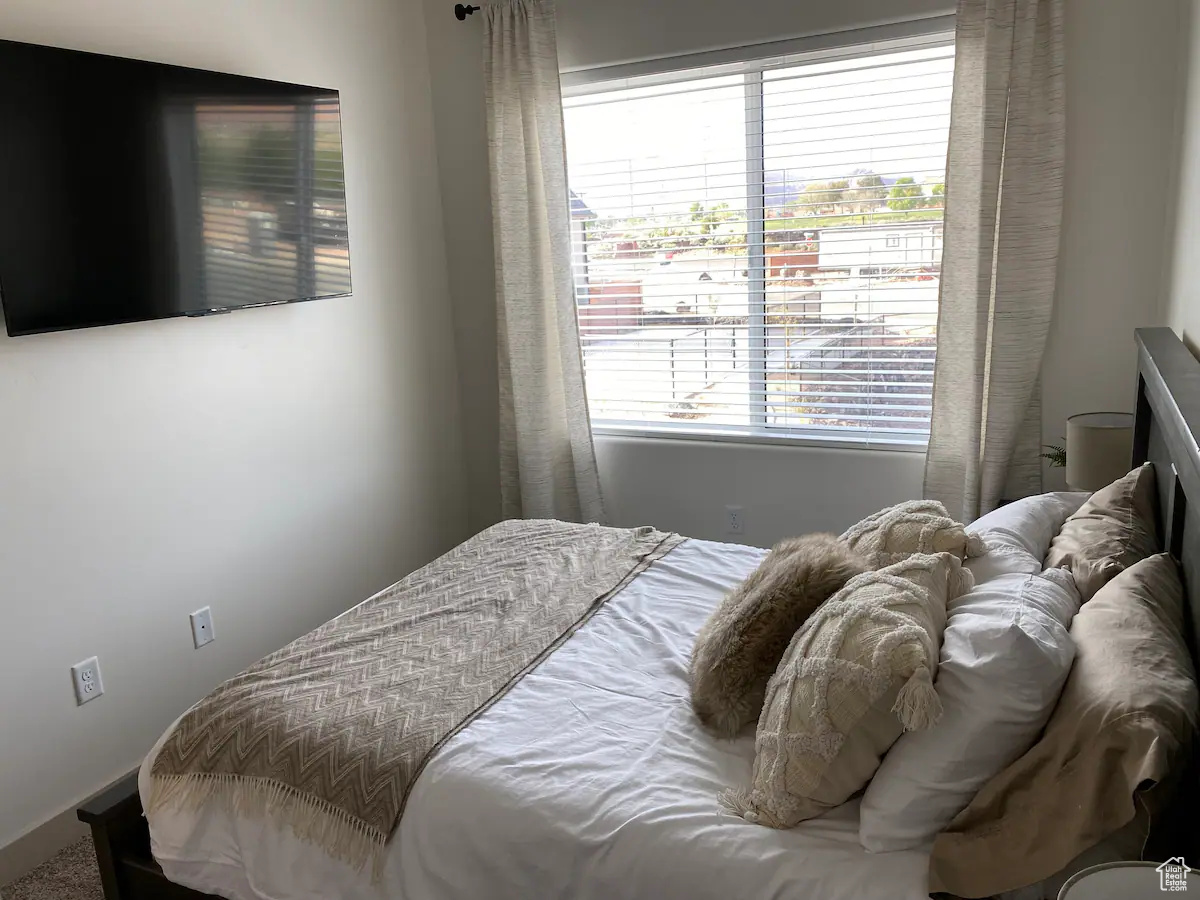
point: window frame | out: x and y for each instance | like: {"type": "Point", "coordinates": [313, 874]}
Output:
{"type": "Point", "coordinates": [752, 63]}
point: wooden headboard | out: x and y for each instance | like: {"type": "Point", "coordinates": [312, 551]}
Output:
{"type": "Point", "coordinates": [1166, 423]}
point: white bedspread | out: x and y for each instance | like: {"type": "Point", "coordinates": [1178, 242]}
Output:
{"type": "Point", "coordinates": [591, 780]}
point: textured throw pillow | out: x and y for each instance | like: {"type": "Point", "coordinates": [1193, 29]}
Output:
{"type": "Point", "coordinates": [1005, 656]}
{"type": "Point", "coordinates": [1018, 534]}
{"type": "Point", "coordinates": [916, 526]}
{"type": "Point", "coordinates": [1122, 730]}
{"type": "Point", "coordinates": [1114, 529]}
{"type": "Point", "coordinates": [740, 645]}
{"type": "Point", "coordinates": [853, 679]}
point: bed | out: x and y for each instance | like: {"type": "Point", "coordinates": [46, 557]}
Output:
{"type": "Point", "coordinates": [591, 776]}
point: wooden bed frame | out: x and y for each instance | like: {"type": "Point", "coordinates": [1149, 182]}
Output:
{"type": "Point", "coordinates": [1166, 427]}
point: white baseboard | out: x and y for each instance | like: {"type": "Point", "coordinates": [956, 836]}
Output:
{"type": "Point", "coordinates": [36, 846]}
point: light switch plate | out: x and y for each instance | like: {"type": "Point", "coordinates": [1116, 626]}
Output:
{"type": "Point", "coordinates": [202, 627]}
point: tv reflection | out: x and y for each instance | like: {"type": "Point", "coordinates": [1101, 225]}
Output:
{"type": "Point", "coordinates": [259, 201]}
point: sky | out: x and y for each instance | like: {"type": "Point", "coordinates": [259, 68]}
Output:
{"type": "Point", "coordinates": [655, 149]}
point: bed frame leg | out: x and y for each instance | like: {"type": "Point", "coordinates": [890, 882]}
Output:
{"type": "Point", "coordinates": [122, 839]}
{"type": "Point", "coordinates": [118, 831]}
{"type": "Point", "coordinates": [106, 862]}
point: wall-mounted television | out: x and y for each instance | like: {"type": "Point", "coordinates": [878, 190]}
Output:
{"type": "Point", "coordinates": [134, 190]}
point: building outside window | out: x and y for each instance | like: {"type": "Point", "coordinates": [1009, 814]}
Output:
{"type": "Point", "coordinates": [758, 246]}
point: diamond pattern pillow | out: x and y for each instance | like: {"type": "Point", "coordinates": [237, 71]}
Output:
{"type": "Point", "coordinates": [915, 526]}
{"type": "Point", "coordinates": [853, 679]}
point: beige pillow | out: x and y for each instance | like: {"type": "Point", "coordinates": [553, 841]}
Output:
{"type": "Point", "coordinates": [915, 526]}
{"type": "Point", "coordinates": [852, 680]}
{"type": "Point", "coordinates": [740, 645]}
{"type": "Point", "coordinates": [1111, 531]}
{"type": "Point", "coordinates": [1123, 726]}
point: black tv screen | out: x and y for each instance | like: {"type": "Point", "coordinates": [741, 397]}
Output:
{"type": "Point", "coordinates": [133, 190]}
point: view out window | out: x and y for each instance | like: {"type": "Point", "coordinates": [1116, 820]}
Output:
{"type": "Point", "coordinates": [757, 249]}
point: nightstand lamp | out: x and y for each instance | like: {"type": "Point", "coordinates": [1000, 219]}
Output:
{"type": "Point", "coordinates": [1099, 449]}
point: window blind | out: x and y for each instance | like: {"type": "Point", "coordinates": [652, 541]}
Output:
{"type": "Point", "coordinates": [757, 247]}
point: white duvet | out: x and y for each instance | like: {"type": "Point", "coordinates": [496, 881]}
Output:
{"type": "Point", "coordinates": [591, 780]}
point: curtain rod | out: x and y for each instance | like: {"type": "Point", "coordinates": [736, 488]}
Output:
{"type": "Point", "coordinates": [461, 12]}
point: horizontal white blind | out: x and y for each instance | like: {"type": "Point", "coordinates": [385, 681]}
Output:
{"type": "Point", "coordinates": [758, 251]}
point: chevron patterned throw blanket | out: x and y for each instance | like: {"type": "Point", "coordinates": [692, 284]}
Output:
{"type": "Point", "coordinates": [328, 735]}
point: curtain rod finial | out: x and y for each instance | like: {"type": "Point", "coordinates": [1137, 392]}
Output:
{"type": "Point", "coordinates": [461, 12]}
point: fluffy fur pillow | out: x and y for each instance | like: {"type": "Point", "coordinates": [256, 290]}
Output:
{"type": "Point", "coordinates": [857, 675]}
{"type": "Point", "coordinates": [739, 647]}
{"type": "Point", "coordinates": [916, 526]}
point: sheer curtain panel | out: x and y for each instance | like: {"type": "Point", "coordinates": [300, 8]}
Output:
{"type": "Point", "coordinates": [547, 461]}
{"type": "Point", "coordinates": [1004, 190]}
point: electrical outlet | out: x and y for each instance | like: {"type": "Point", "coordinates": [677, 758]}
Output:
{"type": "Point", "coordinates": [202, 627]}
{"type": "Point", "coordinates": [88, 684]}
{"type": "Point", "coordinates": [735, 520]}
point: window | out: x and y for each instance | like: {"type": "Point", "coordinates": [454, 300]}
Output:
{"type": "Point", "coordinates": [757, 247]}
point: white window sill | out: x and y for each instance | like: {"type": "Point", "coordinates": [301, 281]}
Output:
{"type": "Point", "coordinates": [810, 440]}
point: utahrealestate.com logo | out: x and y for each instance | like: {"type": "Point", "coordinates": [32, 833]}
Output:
{"type": "Point", "coordinates": [1172, 875]}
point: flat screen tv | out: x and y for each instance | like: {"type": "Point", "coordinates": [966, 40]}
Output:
{"type": "Point", "coordinates": [133, 190]}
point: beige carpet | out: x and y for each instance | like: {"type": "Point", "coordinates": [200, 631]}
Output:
{"type": "Point", "coordinates": [71, 875]}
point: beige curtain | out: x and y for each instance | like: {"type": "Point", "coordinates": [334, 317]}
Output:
{"type": "Point", "coordinates": [1004, 188]}
{"type": "Point", "coordinates": [547, 461]}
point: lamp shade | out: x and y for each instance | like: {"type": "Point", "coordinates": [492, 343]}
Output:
{"type": "Point", "coordinates": [1099, 449]}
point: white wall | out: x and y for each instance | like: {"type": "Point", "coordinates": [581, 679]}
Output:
{"type": "Point", "coordinates": [606, 33]}
{"type": "Point", "coordinates": [1183, 290]}
{"type": "Point", "coordinates": [1122, 85]}
{"type": "Point", "coordinates": [277, 464]}
{"type": "Point", "coordinates": [456, 60]}
{"type": "Point", "coordinates": [685, 485]}
{"type": "Point", "coordinates": [1122, 90]}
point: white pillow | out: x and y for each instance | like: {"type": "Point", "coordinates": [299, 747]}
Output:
{"type": "Point", "coordinates": [1005, 656]}
{"type": "Point", "coordinates": [1018, 535]}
